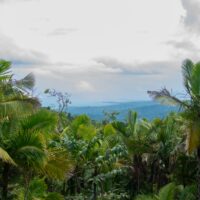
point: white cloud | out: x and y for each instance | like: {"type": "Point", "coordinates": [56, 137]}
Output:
{"type": "Point", "coordinates": [85, 86]}
{"type": "Point", "coordinates": [111, 50]}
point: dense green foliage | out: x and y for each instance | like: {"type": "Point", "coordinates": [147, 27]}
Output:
{"type": "Point", "coordinates": [51, 155]}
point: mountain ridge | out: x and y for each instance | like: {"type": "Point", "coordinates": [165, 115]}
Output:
{"type": "Point", "coordinates": [145, 109]}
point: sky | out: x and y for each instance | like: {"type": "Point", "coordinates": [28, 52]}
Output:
{"type": "Point", "coordinates": [100, 50]}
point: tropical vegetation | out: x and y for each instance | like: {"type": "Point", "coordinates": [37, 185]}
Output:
{"type": "Point", "coordinates": [48, 154]}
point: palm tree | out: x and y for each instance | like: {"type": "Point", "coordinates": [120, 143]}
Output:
{"type": "Point", "coordinates": [30, 148]}
{"type": "Point", "coordinates": [15, 99]}
{"type": "Point", "coordinates": [190, 107]}
{"type": "Point", "coordinates": [136, 136]}
{"type": "Point", "coordinates": [15, 102]}
{"type": "Point", "coordinates": [15, 95]}
{"type": "Point", "coordinates": [166, 143]}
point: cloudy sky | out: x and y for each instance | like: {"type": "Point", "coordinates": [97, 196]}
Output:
{"type": "Point", "coordinates": [100, 50]}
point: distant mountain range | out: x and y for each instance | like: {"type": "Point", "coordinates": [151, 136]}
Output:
{"type": "Point", "coordinates": [145, 109]}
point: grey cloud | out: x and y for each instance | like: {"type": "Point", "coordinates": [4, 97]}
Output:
{"type": "Point", "coordinates": [150, 68]}
{"type": "Point", "coordinates": [185, 45]}
{"type": "Point", "coordinates": [192, 17]}
{"type": "Point", "coordinates": [183, 49]}
{"type": "Point", "coordinates": [15, 1]}
{"type": "Point", "coordinates": [61, 31]}
{"type": "Point", "coordinates": [17, 55]}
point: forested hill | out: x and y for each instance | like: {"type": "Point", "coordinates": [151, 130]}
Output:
{"type": "Point", "coordinates": [145, 109]}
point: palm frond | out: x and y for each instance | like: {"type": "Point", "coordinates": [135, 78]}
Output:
{"type": "Point", "coordinates": [28, 150]}
{"type": "Point", "coordinates": [59, 164]}
{"type": "Point", "coordinates": [188, 192]}
{"type": "Point", "coordinates": [4, 70]}
{"type": "Point", "coordinates": [167, 192]}
{"type": "Point", "coordinates": [193, 136]}
{"type": "Point", "coordinates": [164, 96]}
{"type": "Point", "coordinates": [187, 68]}
{"type": "Point", "coordinates": [109, 130]}
{"type": "Point", "coordinates": [86, 132]}
{"type": "Point", "coordinates": [27, 82]}
{"type": "Point", "coordinates": [5, 157]}
{"type": "Point", "coordinates": [132, 121]}
{"type": "Point", "coordinates": [14, 106]}
{"type": "Point", "coordinates": [195, 81]}
{"type": "Point", "coordinates": [40, 120]}
{"type": "Point", "coordinates": [31, 157]}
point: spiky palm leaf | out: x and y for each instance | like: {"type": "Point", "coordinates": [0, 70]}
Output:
{"type": "Point", "coordinates": [31, 144]}
{"type": "Point", "coordinates": [28, 150]}
{"type": "Point", "coordinates": [11, 106]}
{"type": "Point", "coordinates": [188, 192]}
{"type": "Point", "coordinates": [165, 97]}
{"type": "Point", "coordinates": [187, 68]}
{"type": "Point", "coordinates": [13, 100]}
{"type": "Point", "coordinates": [5, 70]}
{"type": "Point", "coordinates": [167, 192]}
{"type": "Point", "coordinates": [26, 83]}
{"type": "Point", "coordinates": [59, 164]}
{"type": "Point", "coordinates": [5, 157]}
{"type": "Point", "coordinates": [132, 122]}
{"type": "Point", "coordinates": [43, 119]}
{"type": "Point", "coordinates": [23, 84]}
{"type": "Point", "coordinates": [28, 145]}
{"type": "Point", "coordinates": [195, 81]}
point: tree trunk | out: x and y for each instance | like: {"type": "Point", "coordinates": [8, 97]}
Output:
{"type": "Point", "coordinates": [27, 178]}
{"type": "Point", "coordinates": [5, 181]}
{"type": "Point", "coordinates": [152, 175]}
{"type": "Point", "coordinates": [136, 164]}
{"type": "Point", "coordinates": [198, 173]}
{"type": "Point", "coordinates": [95, 185]}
